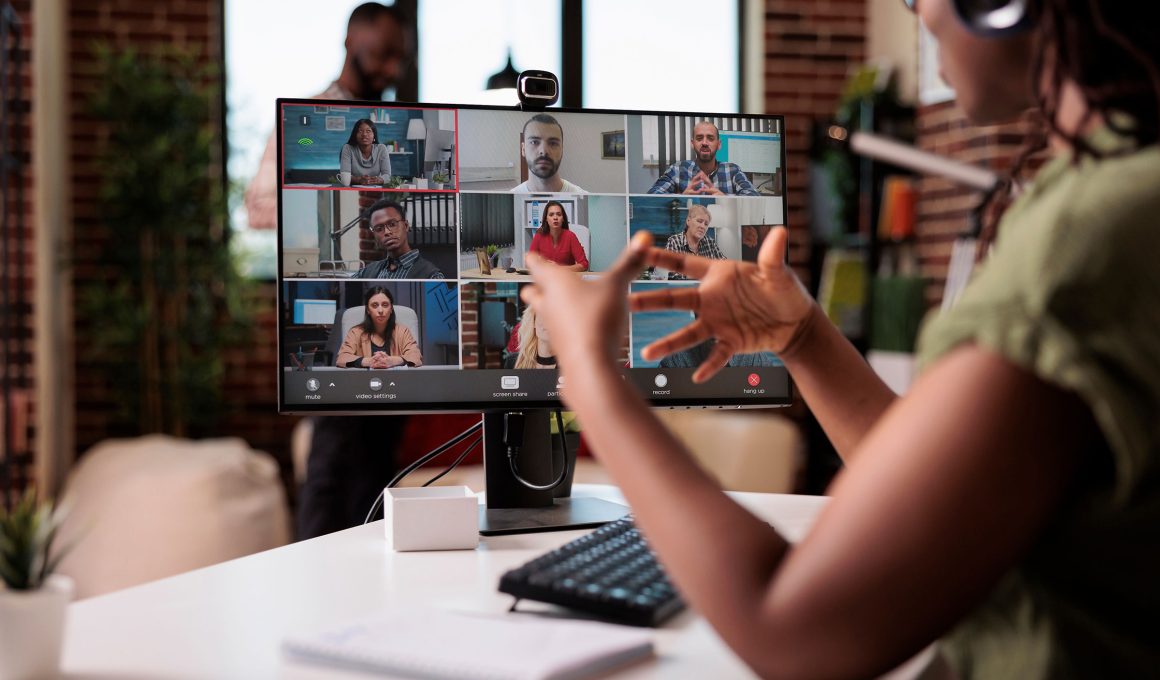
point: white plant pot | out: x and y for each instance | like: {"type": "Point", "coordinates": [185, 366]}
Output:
{"type": "Point", "coordinates": [32, 629]}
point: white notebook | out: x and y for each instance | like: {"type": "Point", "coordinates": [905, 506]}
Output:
{"type": "Point", "coordinates": [437, 644]}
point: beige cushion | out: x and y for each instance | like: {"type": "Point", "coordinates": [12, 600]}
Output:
{"type": "Point", "coordinates": [156, 506]}
{"type": "Point", "coordinates": [744, 450]}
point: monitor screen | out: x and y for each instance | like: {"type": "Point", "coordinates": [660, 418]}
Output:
{"type": "Point", "coordinates": [403, 230]}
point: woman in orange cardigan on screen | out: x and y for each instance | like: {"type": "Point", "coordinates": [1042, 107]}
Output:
{"type": "Point", "coordinates": [555, 241]}
{"type": "Point", "coordinates": [379, 341]}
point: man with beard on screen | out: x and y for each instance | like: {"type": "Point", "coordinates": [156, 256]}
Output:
{"type": "Point", "coordinates": [544, 152]}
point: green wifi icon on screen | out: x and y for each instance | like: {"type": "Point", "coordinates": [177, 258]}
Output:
{"type": "Point", "coordinates": [305, 141]}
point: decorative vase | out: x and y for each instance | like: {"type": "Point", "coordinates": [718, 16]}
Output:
{"type": "Point", "coordinates": [32, 629]}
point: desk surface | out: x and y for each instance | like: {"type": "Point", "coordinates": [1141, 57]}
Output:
{"type": "Point", "coordinates": [228, 620]}
{"type": "Point", "coordinates": [496, 274]}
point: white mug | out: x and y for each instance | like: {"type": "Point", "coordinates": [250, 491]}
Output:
{"type": "Point", "coordinates": [344, 177]}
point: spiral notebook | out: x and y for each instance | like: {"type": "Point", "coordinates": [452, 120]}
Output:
{"type": "Point", "coordinates": [438, 644]}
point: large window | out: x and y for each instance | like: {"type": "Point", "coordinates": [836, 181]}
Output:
{"type": "Point", "coordinates": [463, 42]}
{"type": "Point", "coordinates": [676, 55]}
{"type": "Point", "coordinates": [671, 55]}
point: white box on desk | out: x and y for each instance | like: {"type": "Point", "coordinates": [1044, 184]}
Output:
{"type": "Point", "coordinates": [431, 518]}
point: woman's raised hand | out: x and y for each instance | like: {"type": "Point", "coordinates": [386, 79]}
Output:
{"type": "Point", "coordinates": [585, 318]}
{"type": "Point", "coordinates": [747, 307]}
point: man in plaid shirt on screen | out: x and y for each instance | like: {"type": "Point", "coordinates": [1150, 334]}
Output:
{"type": "Point", "coordinates": [704, 174]}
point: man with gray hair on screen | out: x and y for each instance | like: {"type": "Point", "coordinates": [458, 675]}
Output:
{"type": "Point", "coordinates": [544, 152]}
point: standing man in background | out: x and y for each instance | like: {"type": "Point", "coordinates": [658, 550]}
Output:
{"type": "Point", "coordinates": [351, 458]}
{"type": "Point", "coordinates": [380, 44]}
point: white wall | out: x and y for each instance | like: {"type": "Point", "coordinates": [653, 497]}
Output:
{"type": "Point", "coordinates": [892, 36]}
{"type": "Point", "coordinates": [489, 145]}
{"type": "Point", "coordinates": [608, 224]}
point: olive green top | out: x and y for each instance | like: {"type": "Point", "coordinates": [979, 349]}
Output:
{"type": "Point", "coordinates": [1071, 292]}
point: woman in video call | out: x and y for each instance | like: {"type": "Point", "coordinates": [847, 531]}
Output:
{"type": "Point", "coordinates": [694, 239]}
{"type": "Point", "coordinates": [379, 342]}
{"type": "Point", "coordinates": [367, 161]}
{"type": "Point", "coordinates": [1007, 505]}
{"type": "Point", "coordinates": [556, 242]}
{"type": "Point", "coordinates": [535, 346]}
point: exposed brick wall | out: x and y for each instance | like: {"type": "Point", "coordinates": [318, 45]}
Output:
{"type": "Point", "coordinates": [250, 387]}
{"type": "Point", "coordinates": [944, 208]}
{"type": "Point", "coordinates": [810, 48]}
{"type": "Point", "coordinates": [16, 361]}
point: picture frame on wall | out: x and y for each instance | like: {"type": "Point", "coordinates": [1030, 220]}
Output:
{"type": "Point", "coordinates": [612, 145]}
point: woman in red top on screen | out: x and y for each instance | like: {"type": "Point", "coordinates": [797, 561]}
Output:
{"type": "Point", "coordinates": [556, 242]}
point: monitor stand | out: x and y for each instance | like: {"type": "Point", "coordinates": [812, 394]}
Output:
{"type": "Point", "coordinates": [513, 508]}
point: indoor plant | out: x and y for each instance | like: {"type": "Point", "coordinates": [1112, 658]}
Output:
{"type": "Point", "coordinates": [33, 599]}
{"type": "Point", "coordinates": [440, 180]}
{"type": "Point", "coordinates": [175, 302]}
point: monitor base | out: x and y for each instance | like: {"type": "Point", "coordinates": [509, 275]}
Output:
{"type": "Point", "coordinates": [563, 515]}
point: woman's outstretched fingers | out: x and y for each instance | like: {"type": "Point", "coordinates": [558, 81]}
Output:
{"type": "Point", "coordinates": [683, 338]}
{"type": "Point", "coordinates": [772, 253]}
{"type": "Point", "coordinates": [690, 265]}
{"type": "Point", "coordinates": [718, 358]}
{"type": "Point", "coordinates": [669, 297]}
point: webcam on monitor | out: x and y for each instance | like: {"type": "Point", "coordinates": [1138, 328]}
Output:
{"type": "Point", "coordinates": [537, 88]}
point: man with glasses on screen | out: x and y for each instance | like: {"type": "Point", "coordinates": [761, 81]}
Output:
{"type": "Point", "coordinates": [389, 226]}
{"type": "Point", "coordinates": [704, 174]}
{"type": "Point", "coordinates": [379, 48]}
{"type": "Point", "coordinates": [544, 152]}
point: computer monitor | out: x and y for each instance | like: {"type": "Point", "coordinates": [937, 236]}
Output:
{"type": "Point", "coordinates": [441, 244]}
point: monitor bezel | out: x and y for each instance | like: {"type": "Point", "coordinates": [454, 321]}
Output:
{"type": "Point", "coordinates": [463, 407]}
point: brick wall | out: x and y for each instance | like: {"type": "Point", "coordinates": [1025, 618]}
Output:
{"type": "Point", "coordinates": [17, 268]}
{"type": "Point", "coordinates": [250, 383]}
{"type": "Point", "coordinates": [810, 48]}
{"type": "Point", "coordinates": [944, 208]}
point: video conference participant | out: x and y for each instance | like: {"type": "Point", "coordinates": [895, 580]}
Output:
{"type": "Point", "coordinates": [390, 228]}
{"type": "Point", "coordinates": [544, 152]}
{"type": "Point", "coordinates": [379, 341]}
{"type": "Point", "coordinates": [379, 46]}
{"type": "Point", "coordinates": [535, 345]}
{"type": "Point", "coordinates": [694, 240]}
{"type": "Point", "coordinates": [704, 174]}
{"type": "Point", "coordinates": [556, 242]}
{"type": "Point", "coordinates": [366, 161]}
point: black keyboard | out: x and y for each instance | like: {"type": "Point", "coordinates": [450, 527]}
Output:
{"type": "Point", "coordinates": [610, 573]}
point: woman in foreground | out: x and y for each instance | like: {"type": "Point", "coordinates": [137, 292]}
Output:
{"type": "Point", "coordinates": [1007, 505]}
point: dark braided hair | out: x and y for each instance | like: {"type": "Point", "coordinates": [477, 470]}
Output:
{"type": "Point", "coordinates": [1111, 50]}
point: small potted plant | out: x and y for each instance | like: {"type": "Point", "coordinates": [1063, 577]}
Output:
{"type": "Point", "coordinates": [33, 599]}
{"type": "Point", "coordinates": [493, 254]}
{"type": "Point", "coordinates": [440, 180]}
{"type": "Point", "coordinates": [394, 182]}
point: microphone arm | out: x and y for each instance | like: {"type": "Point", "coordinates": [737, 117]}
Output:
{"type": "Point", "coordinates": [923, 162]}
{"type": "Point", "coordinates": [336, 235]}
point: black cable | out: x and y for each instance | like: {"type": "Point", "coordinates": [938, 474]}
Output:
{"type": "Point", "coordinates": [513, 453]}
{"type": "Point", "coordinates": [419, 463]}
{"type": "Point", "coordinates": [456, 462]}
{"type": "Point", "coordinates": [424, 459]}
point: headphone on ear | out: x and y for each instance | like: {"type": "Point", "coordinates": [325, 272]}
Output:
{"type": "Point", "coordinates": [995, 18]}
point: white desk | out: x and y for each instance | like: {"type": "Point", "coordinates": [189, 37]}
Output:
{"type": "Point", "coordinates": [228, 620]}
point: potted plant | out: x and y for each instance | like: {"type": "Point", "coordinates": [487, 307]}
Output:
{"type": "Point", "coordinates": [33, 599]}
{"type": "Point", "coordinates": [394, 182]}
{"type": "Point", "coordinates": [440, 180]}
{"type": "Point", "coordinates": [493, 254]}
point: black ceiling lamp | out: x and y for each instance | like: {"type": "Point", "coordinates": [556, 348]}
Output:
{"type": "Point", "coordinates": [506, 78]}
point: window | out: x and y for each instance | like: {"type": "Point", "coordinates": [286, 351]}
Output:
{"type": "Point", "coordinates": [679, 55]}
{"type": "Point", "coordinates": [463, 42]}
